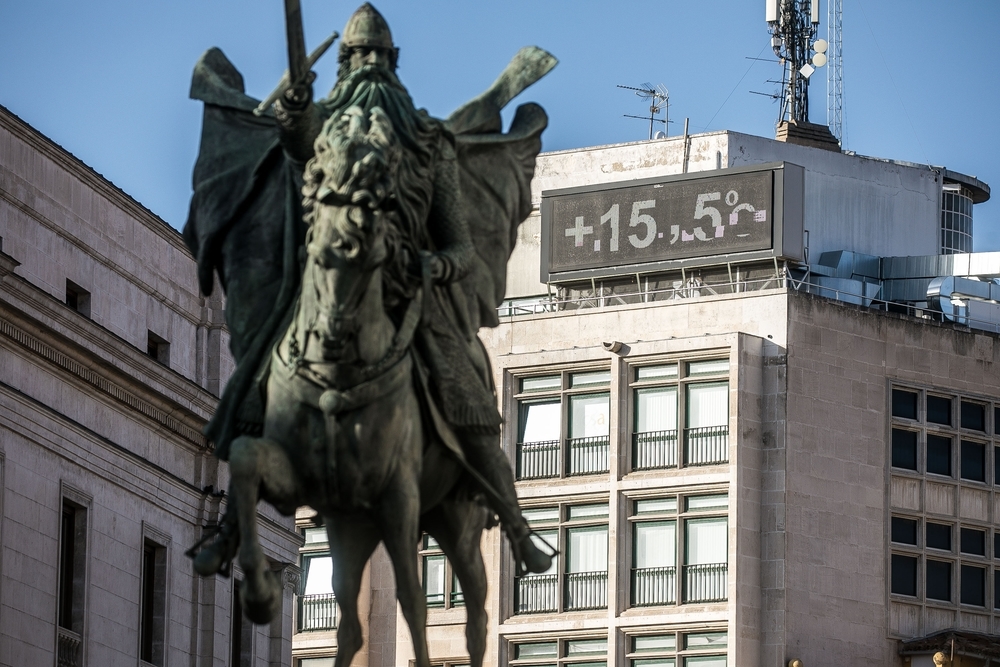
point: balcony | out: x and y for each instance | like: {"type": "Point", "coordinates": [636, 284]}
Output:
{"type": "Point", "coordinates": [706, 583]}
{"type": "Point", "coordinates": [706, 445]}
{"type": "Point", "coordinates": [538, 460]}
{"type": "Point", "coordinates": [654, 585]}
{"type": "Point", "coordinates": [586, 590]}
{"type": "Point", "coordinates": [68, 648]}
{"type": "Point", "coordinates": [317, 612]}
{"type": "Point", "coordinates": [653, 450]}
{"type": "Point", "coordinates": [537, 593]}
{"type": "Point", "coordinates": [588, 455]}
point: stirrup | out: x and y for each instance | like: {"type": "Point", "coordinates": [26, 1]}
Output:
{"type": "Point", "coordinates": [519, 570]}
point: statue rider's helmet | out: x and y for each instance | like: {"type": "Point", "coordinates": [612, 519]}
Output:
{"type": "Point", "coordinates": [367, 28]}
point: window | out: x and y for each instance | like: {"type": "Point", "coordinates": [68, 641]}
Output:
{"type": "Point", "coordinates": [904, 575]}
{"type": "Point", "coordinates": [692, 649]}
{"type": "Point", "coordinates": [656, 549]}
{"type": "Point", "coordinates": [158, 348]}
{"type": "Point", "coordinates": [563, 424]}
{"type": "Point", "coordinates": [152, 611]}
{"type": "Point", "coordinates": [578, 578]}
{"type": "Point", "coordinates": [938, 455]}
{"type": "Point", "coordinates": [698, 390]}
{"type": "Point", "coordinates": [904, 449]}
{"type": "Point", "coordinates": [440, 584]}
{"type": "Point", "coordinates": [561, 653]}
{"type": "Point", "coordinates": [72, 581]}
{"type": "Point", "coordinates": [938, 585]}
{"type": "Point", "coordinates": [77, 298]}
{"type": "Point", "coordinates": [317, 604]}
{"type": "Point", "coordinates": [939, 410]}
{"type": "Point", "coordinates": [904, 531]}
{"type": "Point", "coordinates": [904, 404]}
{"type": "Point", "coordinates": [241, 632]}
{"type": "Point", "coordinates": [973, 416]}
{"type": "Point", "coordinates": [973, 461]}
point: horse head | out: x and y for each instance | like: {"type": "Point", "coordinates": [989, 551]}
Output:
{"type": "Point", "coordinates": [348, 193]}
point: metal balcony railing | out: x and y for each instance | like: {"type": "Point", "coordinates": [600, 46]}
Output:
{"type": "Point", "coordinates": [654, 449]}
{"type": "Point", "coordinates": [706, 445]}
{"type": "Point", "coordinates": [317, 612]}
{"type": "Point", "coordinates": [705, 583]}
{"type": "Point", "coordinates": [588, 455]}
{"type": "Point", "coordinates": [654, 585]}
{"type": "Point", "coordinates": [537, 593]}
{"type": "Point", "coordinates": [587, 590]}
{"type": "Point", "coordinates": [68, 648]}
{"type": "Point", "coordinates": [538, 460]}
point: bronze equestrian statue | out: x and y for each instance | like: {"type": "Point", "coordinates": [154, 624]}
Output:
{"type": "Point", "coordinates": [361, 245]}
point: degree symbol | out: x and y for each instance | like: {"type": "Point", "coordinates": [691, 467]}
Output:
{"type": "Point", "coordinates": [732, 197]}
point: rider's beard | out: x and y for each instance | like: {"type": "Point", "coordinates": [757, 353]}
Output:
{"type": "Point", "coordinates": [372, 86]}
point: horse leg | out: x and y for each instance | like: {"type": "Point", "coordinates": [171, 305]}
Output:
{"type": "Point", "coordinates": [399, 522]}
{"type": "Point", "coordinates": [257, 464]}
{"type": "Point", "coordinates": [458, 525]}
{"type": "Point", "coordinates": [353, 538]}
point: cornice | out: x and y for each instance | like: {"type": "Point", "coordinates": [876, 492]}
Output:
{"type": "Point", "coordinates": [7, 264]}
{"type": "Point", "coordinates": [75, 166]}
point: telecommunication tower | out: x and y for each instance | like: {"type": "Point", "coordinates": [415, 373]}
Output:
{"type": "Point", "coordinates": [793, 25]}
{"type": "Point", "coordinates": [835, 74]}
{"type": "Point", "coordinates": [659, 100]}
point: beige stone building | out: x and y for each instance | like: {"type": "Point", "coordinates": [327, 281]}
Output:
{"type": "Point", "coordinates": [110, 364]}
{"type": "Point", "coordinates": [746, 454]}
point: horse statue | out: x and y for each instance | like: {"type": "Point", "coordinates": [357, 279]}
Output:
{"type": "Point", "coordinates": [343, 427]}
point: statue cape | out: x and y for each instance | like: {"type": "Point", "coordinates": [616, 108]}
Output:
{"type": "Point", "coordinates": [245, 222]}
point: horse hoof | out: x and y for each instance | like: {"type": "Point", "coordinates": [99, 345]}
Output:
{"type": "Point", "coordinates": [215, 558]}
{"type": "Point", "coordinates": [262, 605]}
{"type": "Point", "coordinates": [534, 559]}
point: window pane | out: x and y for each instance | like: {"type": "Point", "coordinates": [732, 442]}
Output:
{"type": "Point", "coordinates": [547, 383]}
{"type": "Point", "coordinates": [656, 506]}
{"type": "Point", "coordinates": [316, 662]}
{"type": "Point", "coordinates": [540, 650]}
{"type": "Point", "coordinates": [656, 409]}
{"type": "Point", "coordinates": [904, 449]}
{"type": "Point", "coordinates": [938, 580]}
{"type": "Point", "coordinates": [587, 647]}
{"type": "Point", "coordinates": [974, 416]}
{"type": "Point", "coordinates": [656, 372]}
{"type": "Point", "coordinates": [655, 544]}
{"type": "Point", "coordinates": [430, 542]}
{"type": "Point", "coordinates": [904, 531]}
{"type": "Point", "coordinates": [996, 589]}
{"type": "Point", "coordinates": [972, 541]}
{"type": "Point", "coordinates": [315, 535]}
{"type": "Point", "coordinates": [938, 455]}
{"type": "Point", "coordinates": [706, 640]}
{"type": "Point", "coordinates": [973, 585]}
{"type": "Point", "coordinates": [654, 643]}
{"type": "Point", "coordinates": [592, 379]}
{"type": "Point", "coordinates": [904, 404]}
{"type": "Point", "coordinates": [599, 511]}
{"type": "Point", "coordinates": [938, 536]}
{"type": "Point", "coordinates": [904, 575]}
{"type": "Point", "coordinates": [540, 515]}
{"type": "Point", "coordinates": [973, 461]}
{"type": "Point", "coordinates": [996, 419]}
{"type": "Point", "coordinates": [587, 550]}
{"type": "Point", "coordinates": [707, 541]}
{"type": "Point", "coordinates": [704, 503]}
{"type": "Point", "coordinates": [996, 465]}
{"type": "Point", "coordinates": [705, 661]}
{"type": "Point", "coordinates": [540, 421]}
{"type": "Point", "coordinates": [547, 541]}
{"type": "Point", "coordinates": [654, 662]}
{"type": "Point", "coordinates": [434, 579]}
{"type": "Point", "coordinates": [589, 415]}
{"type": "Point", "coordinates": [939, 410]}
{"type": "Point", "coordinates": [319, 575]}
{"type": "Point", "coordinates": [709, 367]}
{"type": "Point", "coordinates": [708, 404]}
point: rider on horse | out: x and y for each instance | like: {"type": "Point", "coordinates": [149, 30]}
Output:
{"type": "Point", "coordinates": [434, 226]}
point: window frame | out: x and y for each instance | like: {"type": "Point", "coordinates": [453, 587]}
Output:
{"type": "Point", "coordinates": [452, 596]}
{"type": "Point", "coordinates": [679, 652]}
{"type": "Point", "coordinates": [325, 603]}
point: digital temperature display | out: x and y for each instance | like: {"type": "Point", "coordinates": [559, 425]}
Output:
{"type": "Point", "coordinates": [657, 222]}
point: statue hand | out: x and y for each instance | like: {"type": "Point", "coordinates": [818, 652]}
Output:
{"type": "Point", "coordinates": [298, 96]}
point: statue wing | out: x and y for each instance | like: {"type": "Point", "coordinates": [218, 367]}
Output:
{"type": "Point", "coordinates": [495, 171]}
{"type": "Point", "coordinates": [244, 224]}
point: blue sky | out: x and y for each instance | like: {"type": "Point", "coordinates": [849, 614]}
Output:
{"type": "Point", "coordinates": [108, 79]}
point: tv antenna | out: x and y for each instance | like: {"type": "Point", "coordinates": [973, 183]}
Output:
{"type": "Point", "coordinates": [659, 100]}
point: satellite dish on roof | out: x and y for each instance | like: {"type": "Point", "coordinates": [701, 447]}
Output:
{"type": "Point", "coordinates": [660, 134]}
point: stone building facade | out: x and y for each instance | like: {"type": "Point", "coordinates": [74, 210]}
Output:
{"type": "Point", "coordinates": [110, 364]}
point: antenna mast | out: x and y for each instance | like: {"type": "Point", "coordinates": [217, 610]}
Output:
{"type": "Point", "coordinates": [835, 75]}
{"type": "Point", "coordinates": [793, 25]}
{"type": "Point", "coordinates": [659, 100]}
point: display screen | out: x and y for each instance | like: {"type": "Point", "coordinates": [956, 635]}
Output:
{"type": "Point", "coordinates": [655, 222]}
